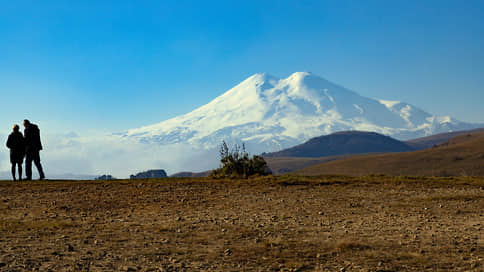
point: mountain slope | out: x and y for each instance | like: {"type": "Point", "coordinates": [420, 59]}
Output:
{"type": "Point", "coordinates": [284, 165]}
{"type": "Point", "coordinates": [270, 114]}
{"type": "Point", "coordinates": [430, 141]}
{"type": "Point", "coordinates": [461, 156]}
{"type": "Point", "coordinates": [342, 143]}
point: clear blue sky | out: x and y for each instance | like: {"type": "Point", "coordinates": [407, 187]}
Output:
{"type": "Point", "coordinates": [114, 65]}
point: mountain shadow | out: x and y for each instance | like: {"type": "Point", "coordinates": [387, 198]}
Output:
{"type": "Point", "coordinates": [344, 143]}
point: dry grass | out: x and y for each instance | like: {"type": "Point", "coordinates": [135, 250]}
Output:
{"type": "Point", "coordinates": [460, 156]}
{"type": "Point", "coordinates": [284, 165]}
{"type": "Point", "coordinates": [370, 223]}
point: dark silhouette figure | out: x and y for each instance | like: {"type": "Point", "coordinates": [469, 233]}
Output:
{"type": "Point", "coordinates": [32, 149]}
{"type": "Point", "coordinates": [16, 143]}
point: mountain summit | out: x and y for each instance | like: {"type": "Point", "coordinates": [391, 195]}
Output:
{"type": "Point", "coordinates": [270, 114]}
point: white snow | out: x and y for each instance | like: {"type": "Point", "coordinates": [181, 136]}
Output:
{"type": "Point", "coordinates": [389, 104]}
{"type": "Point", "coordinates": [269, 113]}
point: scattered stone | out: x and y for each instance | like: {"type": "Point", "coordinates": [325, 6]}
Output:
{"type": "Point", "coordinates": [228, 252]}
{"type": "Point", "coordinates": [127, 268]}
{"type": "Point", "coordinates": [70, 248]}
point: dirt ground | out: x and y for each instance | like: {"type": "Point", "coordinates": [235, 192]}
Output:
{"type": "Point", "coordinates": [372, 223]}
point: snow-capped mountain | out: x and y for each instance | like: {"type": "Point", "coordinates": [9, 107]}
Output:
{"type": "Point", "coordinates": [269, 114]}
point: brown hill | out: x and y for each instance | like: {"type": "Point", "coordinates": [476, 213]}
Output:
{"type": "Point", "coordinates": [460, 156]}
{"type": "Point", "coordinates": [342, 143]}
{"type": "Point", "coordinates": [430, 141]}
{"type": "Point", "coordinates": [284, 165]}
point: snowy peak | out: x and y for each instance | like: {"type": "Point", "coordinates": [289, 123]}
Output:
{"type": "Point", "coordinates": [269, 113]}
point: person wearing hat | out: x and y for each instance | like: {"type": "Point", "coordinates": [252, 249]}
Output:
{"type": "Point", "coordinates": [32, 149]}
{"type": "Point", "coordinates": [16, 144]}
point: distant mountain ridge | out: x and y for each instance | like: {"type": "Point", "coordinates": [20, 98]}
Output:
{"type": "Point", "coordinates": [307, 154]}
{"type": "Point", "coordinates": [271, 114]}
{"type": "Point", "coordinates": [343, 143]}
{"type": "Point", "coordinates": [459, 156]}
{"type": "Point", "coordinates": [430, 141]}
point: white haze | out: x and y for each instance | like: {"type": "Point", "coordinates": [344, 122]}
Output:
{"type": "Point", "coordinates": [72, 156]}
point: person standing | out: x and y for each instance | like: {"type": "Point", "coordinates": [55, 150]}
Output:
{"type": "Point", "coordinates": [33, 146]}
{"type": "Point", "coordinates": [16, 144]}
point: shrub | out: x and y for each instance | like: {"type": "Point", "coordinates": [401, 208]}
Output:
{"type": "Point", "coordinates": [105, 177]}
{"type": "Point", "coordinates": [237, 163]}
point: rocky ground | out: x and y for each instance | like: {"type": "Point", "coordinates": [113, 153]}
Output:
{"type": "Point", "coordinates": [267, 224]}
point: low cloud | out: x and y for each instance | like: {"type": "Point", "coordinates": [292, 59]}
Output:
{"type": "Point", "coordinates": [4, 153]}
{"type": "Point", "coordinates": [106, 154]}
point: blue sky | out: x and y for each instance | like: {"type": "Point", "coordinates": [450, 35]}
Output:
{"type": "Point", "coordinates": [112, 65]}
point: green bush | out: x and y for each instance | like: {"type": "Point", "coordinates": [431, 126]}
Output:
{"type": "Point", "coordinates": [237, 163]}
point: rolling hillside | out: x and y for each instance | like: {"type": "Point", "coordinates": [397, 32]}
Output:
{"type": "Point", "coordinates": [460, 156]}
{"type": "Point", "coordinates": [430, 141]}
{"type": "Point", "coordinates": [284, 165]}
{"type": "Point", "coordinates": [343, 143]}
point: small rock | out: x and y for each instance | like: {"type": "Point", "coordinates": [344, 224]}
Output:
{"type": "Point", "coordinates": [128, 268]}
{"type": "Point", "coordinates": [228, 252]}
{"type": "Point", "coordinates": [70, 248]}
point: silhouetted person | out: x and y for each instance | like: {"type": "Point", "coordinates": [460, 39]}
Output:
{"type": "Point", "coordinates": [16, 143]}
{"type": "Point", "coordinates": [32, 149]}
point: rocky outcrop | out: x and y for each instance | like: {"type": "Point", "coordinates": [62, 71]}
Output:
{"type": "Point", "coordinates": [157, 173]}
